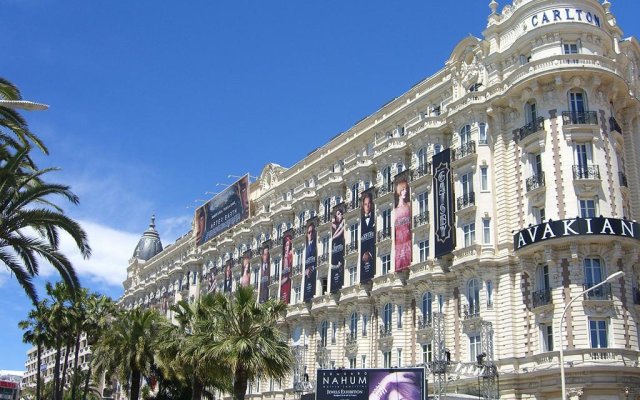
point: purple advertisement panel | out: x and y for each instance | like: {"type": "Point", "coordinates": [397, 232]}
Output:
{"type": "Point", "coordinates": [402, 221]}
{"type": "Point", "coordinates": [337, 248]}
{"type": "Point", "coordinates": [222, 212]}
{"type": "Point", "coordinates": [376, 384]}
{"type": "Point", "coordinates": [367, 236]}
{"type": "Point", "coordinates": [228, 276]}
{"type": "Point", "coordinates": [265, 271]}
{"type": "Point", "coordinates": [287, 265]}
{"type": "Point", "coordinates": [310, 255]}
{"type": "Point", "coordinates": [245, 273]}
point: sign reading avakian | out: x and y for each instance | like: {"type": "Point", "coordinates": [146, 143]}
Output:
{"type": "Point", "coordinates": [576, 227]}
{"type": "Point", "coordinates": [554, 15]}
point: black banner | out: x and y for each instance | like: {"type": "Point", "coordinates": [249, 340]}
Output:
{"type": "Point", "coordinates": [365, 384]}
{"type": "Point", "coordinates": [576, 227]}
{"type": "Point", "coordinates": [311, 254]}
{"type": "Point", "coordinates": [287, 264]}
{"type": "Point", "coordinates": [402, 221]}
{"type": "Point", "coordinates": [337, 248]}
{"type": "Point", "coordinates": [367, 236]}
{"type": "Point", "coordinates": [228, 276]}
{"type": "Point", "coordinates": [265, 270]}
{"type": "Point", "coordinates": [444, 229]}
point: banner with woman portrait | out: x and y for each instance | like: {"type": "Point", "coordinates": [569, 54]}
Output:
{"type": "Point", "coordinates": [367, 236]}
{"type": "Point", "coordinates": [310, 255]}
{"type": "Point", "coordinates": [287, 265]}
{"type": "Point", "coordinates": [228, 276]}
{"type": "Point", "coordinates": [265, 271]}
{"type": "Point", "coordinates": [402, 221]}
{"type": "Point", "coordinates": [337, 248]}
{"type": "Point", "coordinates": [245, 272]}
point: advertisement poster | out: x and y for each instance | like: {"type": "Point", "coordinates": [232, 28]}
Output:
{"type": "Point", "coordinates": [265, 270]}
{"type": "Point", "coordinates": [444, 231]}
{"type": "Point", "coordinates": [402, 221]}
{"type": "Point", "coordinates": [310, 255]}
{"type": "Point", "coordinates": [222, 212]}
{"type": "Point", "coordinates": [375, 384]}
{"type": "Point", "coordinates": [245, 272]}
{"type": "Point", "coordinates": [337, 248]}
{"type": "Point", "coordinates": [287, 265]}
{"type": "Point", "coordinates": [212, 279]}
{"type": "Point", "coordinates": [367, 236]}
{"type": "Point", "coordinates": [228, 276]}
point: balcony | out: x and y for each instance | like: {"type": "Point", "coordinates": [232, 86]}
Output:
{"type": "Point", "coordinates": [352, 248]}
{"type": "Point", "coordinates": [385, 189]}
{"type": "Point", "coordinates": [297, 270]}
{"type": "Point", "coordinates": [421, 219]}
{"type": "Point", "coordinates": [424, 322]}
{"type": "Point", "coordinates": [600, 293]}
{"type": "Point", "coordinates": [466, 200]}
{"type": "Point", "coordinates": [541, 298]}
{"type": "Point", "coordinates": [464, 150]}
{"type": "Point", "coordinates": [384, 234]}
{"type": "Point", "coordinates": [579, 118]}
{"type": "Point", "coordinates": [323, 259]}
{"type": "Point", "coordinates": [531, 128]}
{"type": "Point", "coordinates": [471, 311]}
{"type": "Point", "coordinates": [351, 339]}
{"type": "Point", "coordinates": [385, 331]}
{"type": "Point", "coordinates": [586, 172]}
{"type": "Point", "coordinates": [422, 170]}
{"type": "Point", "coordinates": [535, 182]}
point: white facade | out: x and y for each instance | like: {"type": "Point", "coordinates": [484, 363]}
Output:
{"type": "Point", "coordinates": [542, 116]}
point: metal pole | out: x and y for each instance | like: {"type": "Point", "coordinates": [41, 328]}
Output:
{"type": "Point", "coordinates": [562, 380]}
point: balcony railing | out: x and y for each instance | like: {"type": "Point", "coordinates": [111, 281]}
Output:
{"type": "Point", "coordinates": [535, 181]}
{"type": "Point", "coordinates": [464, 150]}
{"type": "Point", "coordinates": [531, 128]}
{"type": "Point", "coordinates": [384, 189]}
{"type": "Point", "coordinates": [424, 322]}
{"type": "Point", "coordinates": [352, 205]}
{"type": "Point", "coordinates": [623, 179]}
{"type": "Point", "coordinates": [384, 234]}
{"type": "Point", "coordinates": [297, 269]}
{"type": "Point", "coordinates": [422, 170]}
{"type": "Point", "coordinates": [352, 338]}
{"type": "Point", "coordinates": [586, 172]}
{"type": "Point", "coordinates": [323, 258]}
{"type": "Point", "coordinates": [600, 293]}
{"type": "Point", "coordinates": [420, 219]}
{"type": "Point", "coordinates": [385, 331]}
{"type": "Point", "coordinates": [299, 231]}
{"type": "Point", "coordinates": [352, 248]}
{"type": "Point", "coordinates": [471, 310]}
{"type": "Point", "coordinates": [579, 118]}
{"type": "Point", "coordinates": [466, 200]}
{"type": "Point", "coordinates": [614, 126]}
{"type": "Point", "coordinates": [541, 297]}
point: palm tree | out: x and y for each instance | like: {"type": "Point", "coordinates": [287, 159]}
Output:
{"type": "Point", "coordinates": [243, 335]}
{"type": "Point", "coordinates": [36, 329]}
{"type": "Point", "coordinates": [100, 311]}
{"type": "Point", "coordinates": [61, 331]}
{"type": "Point", "coordinates": [30, 223]}
{"type": "Point", "coordinates": [128, 347]}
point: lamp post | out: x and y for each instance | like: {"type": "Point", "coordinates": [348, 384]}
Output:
{"type": "Point", "coordinates": [609, 278]}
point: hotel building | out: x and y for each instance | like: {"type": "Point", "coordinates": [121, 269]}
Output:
{"type": "Point", "coordinates": [520, 164]}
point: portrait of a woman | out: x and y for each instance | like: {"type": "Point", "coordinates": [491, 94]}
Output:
{"type": "Point", "coordinates": [402, 223]}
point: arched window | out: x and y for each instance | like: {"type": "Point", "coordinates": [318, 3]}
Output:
{"type": "Point", "coordinates": [326, 209]}
{"type": "Point", "coordinates": [386, 316]}
{"type": "Point", "coordinates": [324, 332]}
{"type": "Point", "coordinates": [427, 311]}
{"type": "Point", "coordinates": [400, 167]}
{"type": "Point", "coordinates": [482, 133]}
{"type": "Point", "coordinates": [465, 135]}
{"type": "Point", "coordinates": [473, 296]}
{"type": "Point", "coordinates": [386, 177]}
{"type": "Point", "coordinates": [355, 195]}
{"type": "Point", "coordinates": [437, 148]}
{"type": "Point", "coordinates": [422, 158]}
{"type": "Point", "coordinates": [353, 325]}
{"type": "Point", "coordinates": [301, 218]}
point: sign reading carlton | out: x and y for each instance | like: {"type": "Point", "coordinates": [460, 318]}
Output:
{"type": "Point", "coordinates": [376, 384]}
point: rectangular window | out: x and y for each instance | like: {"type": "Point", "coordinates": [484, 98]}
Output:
{"type": "Point", "coordinates": [399, 360]}
{"type": "Point", "coordinates": [486, 231]}
{"type": "Point", "coordinates": [365, 324]}
{"type": "Point", "coordinates": [352, 363]}
{"type": "Point", "coordinates": [386, 264]}
{"type": "Point", "coordinates": [353, 233]}
{"type": "Point", "coordinates": [423, 248]}
{"type": "Point", "coordinates": [386, 220]}
{"type": "Point", "coordinates": [325, 245]}
{"type": "Point", "coordinates": [588, 208]}
{"type": "Point", "coordinates": [482, 133]}
{"type": "Point", "coordinates": [440, 303]}
{"type": "Point", "coordinates": [474, 348]}
{"type": "Point", "coordinates": [469, 231]}
{"type": "Point", "coordinates": [484, 179]}
{"type": "Point", "coordinates": [422, 203]}
{"type": "Point", "coordinates": [427, 353]}
{"type": "Point", "coordinates": [386, 359]}
{"type": "Point", "coordinates": [296, 294]}
{"type": "Point", "coordinates": [571, 48]}
{"type": "Point", "coordinates": [598, 333]}
{"type": "Point", "coordinates": [547, 337]}
{"type": "Point", "coordinates": [583, 155]}
{"type": "Point", "coordinates": [353, 275]}
{"type": "Point", "coordinates": [400, 315]}
{"type": "Point", "coordinates": [467, 183]}
{"type": "Point", "coordinates": [363, 361]}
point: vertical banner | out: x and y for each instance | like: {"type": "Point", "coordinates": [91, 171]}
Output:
{"type": "Point", "coordinates": [287, 264]}
{"type": "Point", "coordinates": [311, 253]}
{"type": "Point", "coordinates": [245, 274]}
{"type": "Point", "coordinates": [367, 236]}
{"type": "Point", "coordinates": [402, 221]}
{"type": "Point", "coordinates": [265, 270]}
{"type": "Point", "coordinates": [212, 279]}
{"type": "Point", "coordinates": [444, 231]}
{"type": "Point", "coordinates": [337, 248]}
{"type": "Point", "coordinates": [228, 276]}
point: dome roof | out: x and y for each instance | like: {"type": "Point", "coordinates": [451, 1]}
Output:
{"type": "Point", "coordinates": [149, 244]}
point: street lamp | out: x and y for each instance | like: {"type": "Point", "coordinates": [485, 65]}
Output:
{"type": "Point", "coordinates": [609, 278]}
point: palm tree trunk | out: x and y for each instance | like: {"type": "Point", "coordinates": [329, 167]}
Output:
{"type": "Point", "coordinates": [135, 384]}
{"type": "Point", "coordinates": [74, 383]}
{"type": "Point", "coordinates": [56, 370]}
{"type": "Point", "coordinates": [39, 365]}
{"type": "Point", "coordinates": [239, 384]}
{"type": "Point", "coordinates": [196, 389]}
{"type": "Point", "coordinates": [86, 384]}
{"type": "Point", "coordinates": [64, 371]}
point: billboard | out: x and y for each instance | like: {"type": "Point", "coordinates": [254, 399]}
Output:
{"type": "Point", "coordinates": [444, 231]}
{"type": "Point", "coordinates": [310, 255]}
{"type": "Point", "coordinates": [287, 265]}
{"type": "Point", "coordinates": [402, 221]}
{"type": "Point", "coordinates": [245, 273]}
{"type": "Point", "coordinates": [365, 384]}
{"type": "Point", "coordinates": [212, 279]}
{"type": "Point", "coordinates": [222, 212]}
{"type": "Point", "coordinates": [228, 276]}
{"type": "Point", "coordinates": [337, 248]}
{"type": "Point", "coordinates": [265, 270]}
{"type": "Point", "coordinates": [367, 236]}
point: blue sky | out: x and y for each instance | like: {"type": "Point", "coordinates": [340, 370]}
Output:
{"type": "Point", "coordinates": [154, 103]}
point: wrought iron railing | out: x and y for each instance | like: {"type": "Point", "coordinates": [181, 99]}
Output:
{"type": "Point", "coordinates": [466, 200]}
{"type": "Point", "coordinates": [424, 322]}
{"type": "Point", "coordinates": [579, 118]}
{"type": "Point", "coordinates": [586, 172]}
{"type": "Point", "coordinates": [535, 181]}
{"type": "Point", "coordinates": [422, 170]}
{"type": "Point", "coordinates": [541, 297]}
{"type": "Point", "coordinates": [384, 234]}
{"type": "Point", "coordinates": [600, 293]}
{"type": "Point", "coordinates": [464, 150]}
{"type": "Point", "coordinates": [352, 338]}
{"type": "Point", "coordinates": [471, 310]}
{"type": "Point", "coordinates": [420, 219]}
{"type": "Point", "coordinates": [385, 331]}
{"type": "Point", "coordinates": [384, 189]}
{"type": "Point", "coordinates": [352, 248]}
{"type": "Point", "coordinates": [531, 128]}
